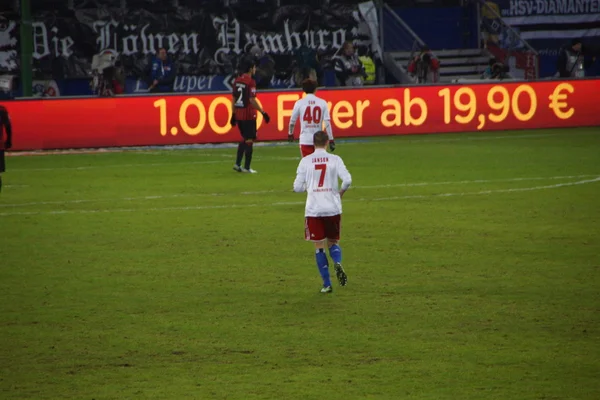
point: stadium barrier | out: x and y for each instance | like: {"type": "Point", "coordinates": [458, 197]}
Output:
{"type": "Point", "coordinates": [204, 118]}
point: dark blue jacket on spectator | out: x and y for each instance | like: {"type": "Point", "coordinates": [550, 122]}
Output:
{"type": "Point", "coordinates": [164, 73]}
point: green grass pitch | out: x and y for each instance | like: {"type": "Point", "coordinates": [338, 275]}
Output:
{"type": "Point", "coordinates": [473, 264]}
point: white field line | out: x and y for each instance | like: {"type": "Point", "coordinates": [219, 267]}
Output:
{"type": "Point", "coordinates": [171, 150]}
{"type": "Point", "coordinates": [114, 166]}
{"type": "Point", "coordinates": [230, 206]}
{"type": "Point", "coordinates": [392, 185]}
{"type": "Point", "coordinates": [82, 168]}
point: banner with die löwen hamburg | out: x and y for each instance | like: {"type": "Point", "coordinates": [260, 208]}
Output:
{"type": "Point", "coordinates": [176, 119]}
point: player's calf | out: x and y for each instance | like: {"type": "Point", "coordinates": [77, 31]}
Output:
{"type": "Point", "coordinates": [323, 265]}
{"type": "Point", "coordinates": [335, 252]}
{"type": "Point", "coordinates": [239, 156]}
{"type": "Point", "coordinates": [248, 154]}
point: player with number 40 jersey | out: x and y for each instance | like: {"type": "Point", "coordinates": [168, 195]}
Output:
{"type": "Point", "coordinates": [313, 113]}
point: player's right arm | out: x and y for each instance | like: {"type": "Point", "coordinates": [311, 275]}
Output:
{"type": "Point", "coordinates": [300, 181]}
{"type": "Point", "coordinates": [294, 119]}
{"type": "Point", "coordinates": [344, 175]}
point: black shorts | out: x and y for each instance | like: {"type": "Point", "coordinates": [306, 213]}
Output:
{"type": "Point", "coordinates": [2, 164]}
{"type": "Point", "coordinates": [247, 129]}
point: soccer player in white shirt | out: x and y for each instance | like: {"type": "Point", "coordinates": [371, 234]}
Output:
{"type": "Point", "coordinates": [318, 174]}
{"type": "Point", "coordinates": [313, 114]}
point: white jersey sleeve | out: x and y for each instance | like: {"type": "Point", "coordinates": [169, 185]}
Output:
{"type": "Point", "coordinates": [319, 174]}
{"type": "Point", "coordinates": [327, 122]}
{"type": "Point", "coordinates": [294, 118]}
{"type": "Point", "coordinates": [300, 181]}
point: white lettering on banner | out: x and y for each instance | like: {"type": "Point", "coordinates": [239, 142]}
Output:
{"type": "Point", "coordinates": [292, 38]}
{"type": "Point", "coordinates": [203, 83]}
{"type": "Point", "coordinates": [230, 39]}
{"type": "Point", "coordinates": [226, 82]}
{"type": "Point", "coordinates": [140, 87]}
{"type": "Point", "coordinates": [41, 44]}
{"type": "Point", "coordinates": [133, 39]}
{"type": "Point", "coordinates": [40, 40]}
{"type": "Point", "coordinates": [104, 39]}
{"type": "Point", "coordinates": [551, 7]}
{"type": "Point", "coordinates": [130, 43]}
{"type": "Point", "coordinates": [193, 83]}
{"type": "Point", "coordinates": [228, 36]}
{"type": "Point", "coordinates": [142, 42]}
{"type": "Point", "coordinates": [277, 43]}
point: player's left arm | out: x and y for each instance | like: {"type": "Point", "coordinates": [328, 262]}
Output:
{"type": "Point", "coordinates": [4, 117]}
{"type": "Point", "coordinates": [344, 175]}
{"type": "Point", "coordinates": [300, 181]}
{"type": "Point", "coordinates": [327, 123]}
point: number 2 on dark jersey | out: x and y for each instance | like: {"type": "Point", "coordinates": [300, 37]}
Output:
{"type": "Point", "coordinates": [241, 97]}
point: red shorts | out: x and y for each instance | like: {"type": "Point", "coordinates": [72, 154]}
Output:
{"type": "Point", "coordinates": [321, 228]}
{"type": "Point", "coordinates": [306, 150]}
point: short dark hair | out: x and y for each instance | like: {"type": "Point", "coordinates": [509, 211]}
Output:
{"type": "Point", "coordinates": [309, 85]}
{"type": "Point", "coordinates": [320, 139]}
{"type": "Point", "coordinates": [246, 63]}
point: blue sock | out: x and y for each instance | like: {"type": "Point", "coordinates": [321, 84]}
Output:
{"type": "Point", "coordinates": [335, 252]}
{"type": "Point", "coordinates": [323, 266]}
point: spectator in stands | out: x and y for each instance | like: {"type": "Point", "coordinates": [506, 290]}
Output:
{"type": "Point", "coordinates": [570, 62]}
{"type": "Point", "coordinates": [306, 64]}
{"type": "Point", "coordinates": [113, 84]}
{"type": "Point", "coordinates": [495, 70]}
{"type": "Point", "coordinates": [162, 74]}
{"type": "Point", "coordinates": [366, 58]}
{"type": "Point", "coordinates": [265, 67]}
{"type": "Point", "coordinates": [348, 69]}
{"type": "Point", "coordinates": [108, 77]}
{"type": "Point", "coordinates": [425, 66]}
{"type": "Point", "coordinates": [490, 23]}
{"type": "Point", "coordinates": [119, 78]}
{"type": "Point", "coordinates": [594, 53]}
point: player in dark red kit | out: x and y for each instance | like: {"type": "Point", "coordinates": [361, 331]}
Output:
{"type": "Point", "coordinates": [244, 113]}
{"type": "Point", "coordinates": [4, 144]}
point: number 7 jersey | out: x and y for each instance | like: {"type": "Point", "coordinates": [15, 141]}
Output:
{"type": "Point", "coordinates": [313, 114]}
{"type": "Point", "coordinates": [318, 174]}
